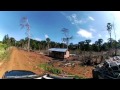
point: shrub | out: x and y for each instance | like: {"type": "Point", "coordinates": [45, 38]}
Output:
{"type": "Point", "coordinates": [50, 68]}
{"type": "Point", "coordinates": [54, 70]}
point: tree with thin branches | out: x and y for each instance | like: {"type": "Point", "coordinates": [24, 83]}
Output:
{"type": "Point", "coordinates": [67, 37]}
{"type": "Point", "coordinates": [25, 23]}
{"type": "Point", "coordinates": [115, 40]}
{"type": "Point", "coordinates": [109, 28]}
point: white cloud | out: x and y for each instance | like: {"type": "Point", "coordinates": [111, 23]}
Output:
{"type": "Point", "coordinates": [99, 35]}
{"type": "Point", "coordinates": [84, 33]}
{"type": "Point", "coordinates": [46, 36]}
{"type": "Point", "coordinates": [38, 39]}
{"type": "Point", "coordinates": [77, 21]}
{"type": "Point", "coordinates": [74, 19]}
{"type": "Point", "coordinates": [93, 30]}
{"type": "Point", "coordinates": [91, 18]}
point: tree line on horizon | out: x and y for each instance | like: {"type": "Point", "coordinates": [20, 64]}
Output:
{"type": "Point", "coordinates": [85, 45]}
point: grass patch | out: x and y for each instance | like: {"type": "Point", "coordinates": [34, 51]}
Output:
{"type": "Point", "coordinates": [79, 77]}
{"type": "Point", "coordinates": [4, 53]}
{"type": "Point", "coordinates": [50, 68]}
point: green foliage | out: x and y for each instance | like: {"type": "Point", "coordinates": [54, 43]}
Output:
{"type": "Point", "coordinates": [85, 45]}
{"type": "Point", "coordinates": [3, 51]}
{"type": "Point", "coordinates": [10, 41]}
{"type": "Point", "coordinates": [50, 68]}
{"type": "Point", "coordinates": [54, 70]}
{"type": "Point", "coordinates": [3, 46]}
{"type": "Point", "coordinates": [78, 77]}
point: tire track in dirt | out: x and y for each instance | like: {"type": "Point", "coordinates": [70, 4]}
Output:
{"type": "Point", "coordinates": [19, 60]}
{"type": "Point", "coordinates": [13, 63]}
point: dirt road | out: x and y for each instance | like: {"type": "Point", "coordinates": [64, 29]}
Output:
{"type": "Point", "coordinates": [20, 60]}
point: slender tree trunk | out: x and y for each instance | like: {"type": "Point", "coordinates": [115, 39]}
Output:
{"type": "Point", "coordinates": [115, 44]}
{"type": "Point", "coordinates": [111, 53]}
{"type": "Point", "coordinates": [28, 40]}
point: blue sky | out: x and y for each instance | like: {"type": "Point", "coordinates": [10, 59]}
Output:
{"type": "Point", "coordinates": [82, 25]}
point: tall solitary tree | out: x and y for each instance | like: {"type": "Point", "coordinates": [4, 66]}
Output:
{"type": "Point", "coordinates": [67, 37]}
{"type": "Point", "coordinates": [109, 28]}
{"type": "Point", "coordinates": [25, 23]}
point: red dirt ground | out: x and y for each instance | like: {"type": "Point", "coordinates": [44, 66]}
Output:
{"type": "Point", "coordinates": [23, 60]}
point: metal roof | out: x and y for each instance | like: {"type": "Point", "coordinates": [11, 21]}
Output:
{"type": "Point", "coordinates": [58, 49]}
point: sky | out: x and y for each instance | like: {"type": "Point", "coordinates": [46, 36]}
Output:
{"type": "Point", "coordinates": [82, 25]}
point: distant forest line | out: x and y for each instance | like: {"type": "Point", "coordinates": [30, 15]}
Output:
{"type": "Point", "coordinates": [97, 46]}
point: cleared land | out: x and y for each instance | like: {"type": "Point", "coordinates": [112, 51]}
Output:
{"type": "Point", "coordinates": [23, 60]}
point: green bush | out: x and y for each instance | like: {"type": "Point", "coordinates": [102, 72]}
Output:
{"type": "Point", "coordinates": [50, 68]}
{"type": "Point", "coordinates": [3, 51]}
{"type": "Point", "coordinates": [54, 70]}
